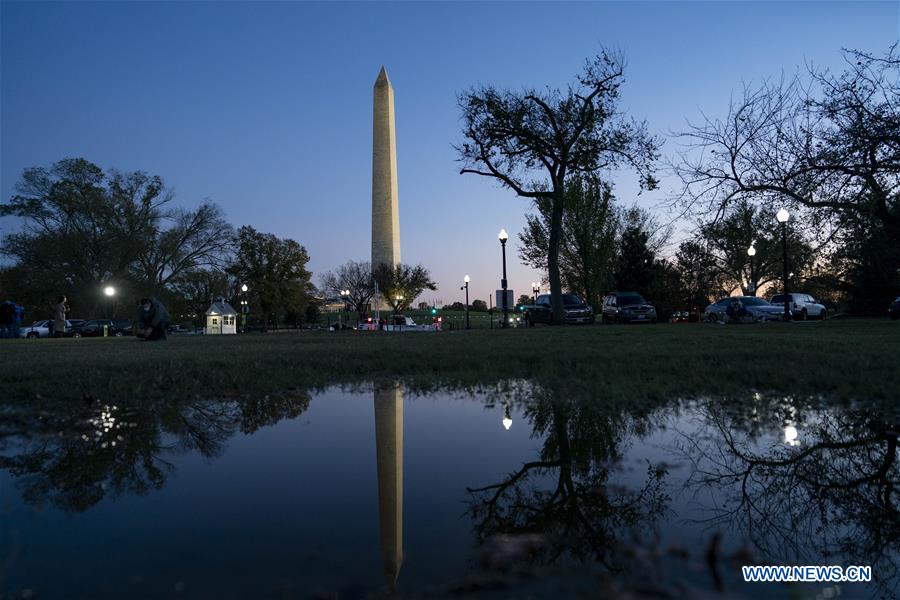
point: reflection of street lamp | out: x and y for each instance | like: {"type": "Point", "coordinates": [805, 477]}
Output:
{"type": "Point", "coordinates": [791, 436]}
{"type": "Point", "coordinates": [782, 216]}
{"type": "Point", "coordinates": [507, 418]}
{"type": "Point", "coordinates": [751, 252]}
{"type": "Point", "coordinates": [503, 236]}
{"type": "Point", "coordinates": [466, 287]}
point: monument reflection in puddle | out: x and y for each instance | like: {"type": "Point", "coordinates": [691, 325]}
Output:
{"type": "Point", "coordinates": [389, 458]}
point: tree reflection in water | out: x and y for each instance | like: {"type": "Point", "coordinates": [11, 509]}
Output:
{"type": "Point", "coordinates": [565, 500]}
{"type": "Point", "coordinates": [829, 493]}
{"type": "Point", "coordinates": [71, 457]}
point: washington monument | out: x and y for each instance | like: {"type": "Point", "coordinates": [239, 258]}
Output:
{"type": "Point", "coordinates": [385, 212]}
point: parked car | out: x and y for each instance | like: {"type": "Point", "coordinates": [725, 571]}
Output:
{"type": "Point", "coordinates": [894, 309]}
{"type": "Point", "coordinates": [627, 307]}
{"type": "Point", "coordinates": [41, 329]}
{"type": "Point", "coordinates": [802, 306]}
{"type": "Point", "coordinates": [94, 328]}
{"type": "Point", "coordinates": [576, 310]}
{"type": "Point", "coordinates": [760, 310]}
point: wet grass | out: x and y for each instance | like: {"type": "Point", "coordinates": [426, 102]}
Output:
{"type": "Point", "coordinates": [842, 359]}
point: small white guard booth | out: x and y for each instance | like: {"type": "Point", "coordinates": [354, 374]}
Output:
{"type": "Point", "coordinates": [221, 318]}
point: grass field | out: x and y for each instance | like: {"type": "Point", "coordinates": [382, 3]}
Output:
{"type": "Point", "coordinates": [841, 358]}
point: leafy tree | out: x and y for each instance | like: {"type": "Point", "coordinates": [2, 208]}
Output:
{"type": "Point", "coordinates": [355, 277]}
{"type": "Point", "coordinates": [587, 246]}
{"type": "Point", "coordinates": [83, 228]}
{"type": "Point", "coordinates": [741, 226]}
{"type": "Point", "coordinates": [456, 306]}
{"type": "Point", "coordinates": [698, 277]}
{"type": "Point", "coordinates": [274, 269]}
{"type": "Point", "coordinates": [401, 284]}
{"type": "Point", "coordinates": [479, 306]}
{"type": "Point", "coordinates": [533, 141]}
{"type": "Point", "coordinates": [313, 314]}
{"type": "Point", "coordinates": [524, 299]}
{"type": "Point", "coordinates": [636, 252]}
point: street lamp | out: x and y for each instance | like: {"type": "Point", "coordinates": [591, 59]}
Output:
{"type": "Point", "coordinates": [245, 307]}
{"type": "Point", "coordinates": [466, 287]}
{"type": "Point", "coordinates": [535, 289]}
{"type": "Point", "coordinates": [503, 236]}
{"type": "Point", "coordinates": [782, 217]}
{"type": "Point", "coordinates": [751, 252]}
{"type": "Point", "coordinates": [345, 294]}
{"type": "Point", "coordinates": [110, 291]}
{"type": "Point", "coordinates": [507, 418]}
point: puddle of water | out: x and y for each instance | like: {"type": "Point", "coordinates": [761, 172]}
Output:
{"type": "Point", "coordinates": [367, 492]}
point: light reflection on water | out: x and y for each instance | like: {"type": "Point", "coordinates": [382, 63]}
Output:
{"type": "Point", "coordinates": [508, 491]}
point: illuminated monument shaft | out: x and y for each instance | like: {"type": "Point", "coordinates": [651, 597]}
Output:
{"type": "Point", "coordinates": [385, 211]}
{"type": "Point", "coordinates": [389, 460]}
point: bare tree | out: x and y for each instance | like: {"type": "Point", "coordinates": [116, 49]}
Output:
{"type": "Point", "coordinates": [532, 141]}
{"type": "Point", "coordinates": [824, 144]}
{"type": "Point", "coordinates": [355, 277]}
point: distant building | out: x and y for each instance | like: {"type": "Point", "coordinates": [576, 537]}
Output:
{"type": "Point", "coordinates": [221, 318]}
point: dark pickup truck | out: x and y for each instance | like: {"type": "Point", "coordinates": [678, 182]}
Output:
{"type": "Point", "coordinates": [576, 310]}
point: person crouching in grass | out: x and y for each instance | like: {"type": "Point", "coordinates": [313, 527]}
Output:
{"type": "Point", "coordinates": [154, 319]}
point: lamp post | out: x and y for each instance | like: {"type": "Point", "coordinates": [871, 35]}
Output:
{"type": "Point", "coordinates": [507, 417]}
{"type": "Point", "coordinates": [751, 252]}
{"type": "Point", "coordinates": [782, 217]}
{"type": "Point", "coordinates": [466, 287]}
{"type": "Point", "coordinates": [109, 291]}
{"type": "Point", "coordinates": [535, 288]}
{"type": "Point", "coordinates": [245, 307]}
{"type": "Point", "coordinates": [503, 236]}
{"type": "Point", "coordinates": [345, 294]}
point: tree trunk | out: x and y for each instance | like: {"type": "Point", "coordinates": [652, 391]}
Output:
{"type": "Point", "coordinates": [556, 214]}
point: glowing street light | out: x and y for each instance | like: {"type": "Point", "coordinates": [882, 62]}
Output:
{"type": "Point", "coordinates": [244, 288]}
{"type": "Point", "coordinates": [782, 217]}
{"type": "Point", "coordinates": [751, 252]}
{"type": "Point", "coordinates": [507, 418]}
{"type": "Point", "coordinates": [110, 291]}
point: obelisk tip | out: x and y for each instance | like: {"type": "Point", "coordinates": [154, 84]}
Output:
{"type": "Point", "coordinates": [382, 77]}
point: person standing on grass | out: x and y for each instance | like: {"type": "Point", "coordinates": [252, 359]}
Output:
{"type": "Point", "coordinates": [154, 320]}
{"type": "Point", "coordinates": [59, 317]}
{"type": "Point", "coordinates": [7, 314]}
{"type": "Point", "coordinates": [18, 318]}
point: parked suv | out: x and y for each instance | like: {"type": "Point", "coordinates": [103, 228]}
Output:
{"type": "Point", "coordinates": [41, 329]}
{"type": "Point", "coordinates": [576, 310]}
{"type": "Point", "coordinates": [894, 309]}
{"type": "Point", "coordinates": [627, 307]}
{"type": "Point", "coordinates": [802, 306]}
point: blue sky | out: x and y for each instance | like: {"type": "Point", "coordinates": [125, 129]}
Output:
{"type": "Point", "coordinates": [266, 108]}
